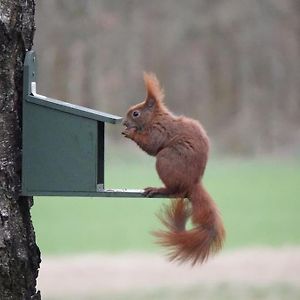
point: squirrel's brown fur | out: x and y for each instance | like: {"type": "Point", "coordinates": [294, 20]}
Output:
{"type": "Point", "coordinates": [181, 148]}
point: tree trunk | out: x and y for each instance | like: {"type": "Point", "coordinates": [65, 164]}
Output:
{"type": "Point", "coordinates": [19, 254]}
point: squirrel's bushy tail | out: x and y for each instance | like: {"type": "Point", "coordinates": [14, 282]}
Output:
{"type": "Point", "coordinates": [198, 243]}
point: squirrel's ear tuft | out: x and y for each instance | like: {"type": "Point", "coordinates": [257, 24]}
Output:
{"type": "Point", "coordinates": [155, 93]}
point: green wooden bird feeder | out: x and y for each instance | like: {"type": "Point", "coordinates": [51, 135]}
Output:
{"type": "Point", "coordinates": [63, 145]}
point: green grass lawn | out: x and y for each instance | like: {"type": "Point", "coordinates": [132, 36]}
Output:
{"type": "Point", "coordinates": [259, 201]}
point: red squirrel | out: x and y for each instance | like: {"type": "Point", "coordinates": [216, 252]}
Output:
{"type": "Point", "coordinates": [181, 147]}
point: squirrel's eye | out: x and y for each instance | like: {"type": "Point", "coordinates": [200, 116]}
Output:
{"type": "Point", "coordinates": [135, 113]}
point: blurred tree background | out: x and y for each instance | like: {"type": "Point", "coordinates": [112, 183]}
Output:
{"type": "Point", "coordinates": [234, 65]}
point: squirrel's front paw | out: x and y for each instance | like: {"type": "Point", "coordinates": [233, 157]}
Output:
{"type": "Point", "coordinates": [128, 132]}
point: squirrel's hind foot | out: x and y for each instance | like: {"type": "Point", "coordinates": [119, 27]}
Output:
{"type": "Point", "coordinates": [152, 191]}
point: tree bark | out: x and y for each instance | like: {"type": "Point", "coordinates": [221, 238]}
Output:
{"type": "Point", "coordinates": [19, 254]}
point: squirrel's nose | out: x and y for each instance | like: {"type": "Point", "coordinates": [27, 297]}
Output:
{"type": "Point", "coordinates": [125, 123]}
